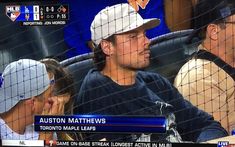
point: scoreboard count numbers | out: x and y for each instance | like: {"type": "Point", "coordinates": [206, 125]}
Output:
{"type": "Point", "coordinates": [38, 14]}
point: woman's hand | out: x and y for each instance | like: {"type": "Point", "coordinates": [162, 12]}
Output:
{"type": "Point", "coordinates": [55, 105]}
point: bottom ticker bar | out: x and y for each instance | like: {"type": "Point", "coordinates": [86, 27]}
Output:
{"type": "Point", "coordinates": [123, 144]}
{"type": "Point", "coordinates": [53, 143]}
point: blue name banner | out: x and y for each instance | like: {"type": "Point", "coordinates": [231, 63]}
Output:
{"type": "Point", "coordinates": [97, 123]}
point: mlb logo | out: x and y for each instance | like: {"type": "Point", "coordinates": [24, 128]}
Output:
{"type": "Point", "coordinates": [50, 143]}
{"type": "Point", "coordinates": [13, 12]}
{"type": "Point", "coordinates": [223, 144]}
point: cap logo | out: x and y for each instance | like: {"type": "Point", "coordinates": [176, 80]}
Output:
{"type": "Point", "coordinates": [1, 81]}
{"type": "Point", "coordinates": [225, 12]}
{"type": "Point", "coordinates": [21, 96]}
{"type": "Point", "coordinates": [136, 3]}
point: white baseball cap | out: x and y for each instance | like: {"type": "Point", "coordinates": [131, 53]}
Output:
{"type": "Point", "coordinates": [118, 19]}
{"type": "Point", "coordinates": [21, 80]}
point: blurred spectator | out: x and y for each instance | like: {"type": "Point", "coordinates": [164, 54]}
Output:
{"type": "Point", "coordinates": [31, 88]}
{"type": "Point", "coordinates": [178, 14]}
{"type": "Point", "coordinates": [207, 80]}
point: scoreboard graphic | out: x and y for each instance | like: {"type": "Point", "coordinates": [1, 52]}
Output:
{"type": "Point", "coordinates": [38, 14]}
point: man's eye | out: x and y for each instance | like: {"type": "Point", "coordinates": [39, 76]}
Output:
{"type": "Point", "coordinates": [133, 36]}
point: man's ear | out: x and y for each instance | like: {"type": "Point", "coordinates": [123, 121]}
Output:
{"type": "Point", "coordinates": [107, 47]}
{"type": "Point", "coordinates": [212, 31]}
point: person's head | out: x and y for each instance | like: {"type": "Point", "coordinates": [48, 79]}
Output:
{"type": "Point", "coordinates": [63, 84]}
{"type": "Point", "coordinates": [214, 21]}
{"type": "Point", "coordinates": [119, 35]}
{"type": "Point", "coordinates": [24, 85]}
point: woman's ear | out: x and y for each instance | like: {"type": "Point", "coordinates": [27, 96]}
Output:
{"type": "Point", "coordinates": [107, 47]}
{"type": "Point", "coordinates": [30, 103]}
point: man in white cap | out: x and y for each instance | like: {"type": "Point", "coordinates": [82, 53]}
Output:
{"type": "Point", "coordinates": [26, 89]}
{"type": "Point", "coordinates": [117, 87]}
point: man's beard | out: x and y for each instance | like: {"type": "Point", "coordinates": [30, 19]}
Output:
{"type": "Point", "coordinates": [137, 66]}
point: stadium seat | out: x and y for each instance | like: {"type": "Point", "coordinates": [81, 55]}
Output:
{"type": "Point", "coordinates": [168, 53]}
{"type": "Point", "coordinates": [78, 67]}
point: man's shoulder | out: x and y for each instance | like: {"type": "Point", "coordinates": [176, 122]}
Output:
{"type": "Point", "coordinates": [198, 66]}
{"type": "Point", "coordinates": [195, 64]}
{"type": "Point", "coordinates": [92, 73]}
{"type": "Point", "coordinates": [93, 76]}
{"type": "Point", "coordinates": [95, 80]}
{"type": "Point", "coordinates": [198, 69]}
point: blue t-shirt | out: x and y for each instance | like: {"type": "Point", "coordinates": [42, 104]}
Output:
{"type": "Point", "coordinates": [82, 12]}
{"type": "Point", "coordinates": [151, 95]}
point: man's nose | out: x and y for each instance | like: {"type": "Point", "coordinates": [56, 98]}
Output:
{"type": "Point", "coordinates": [146, 41]}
